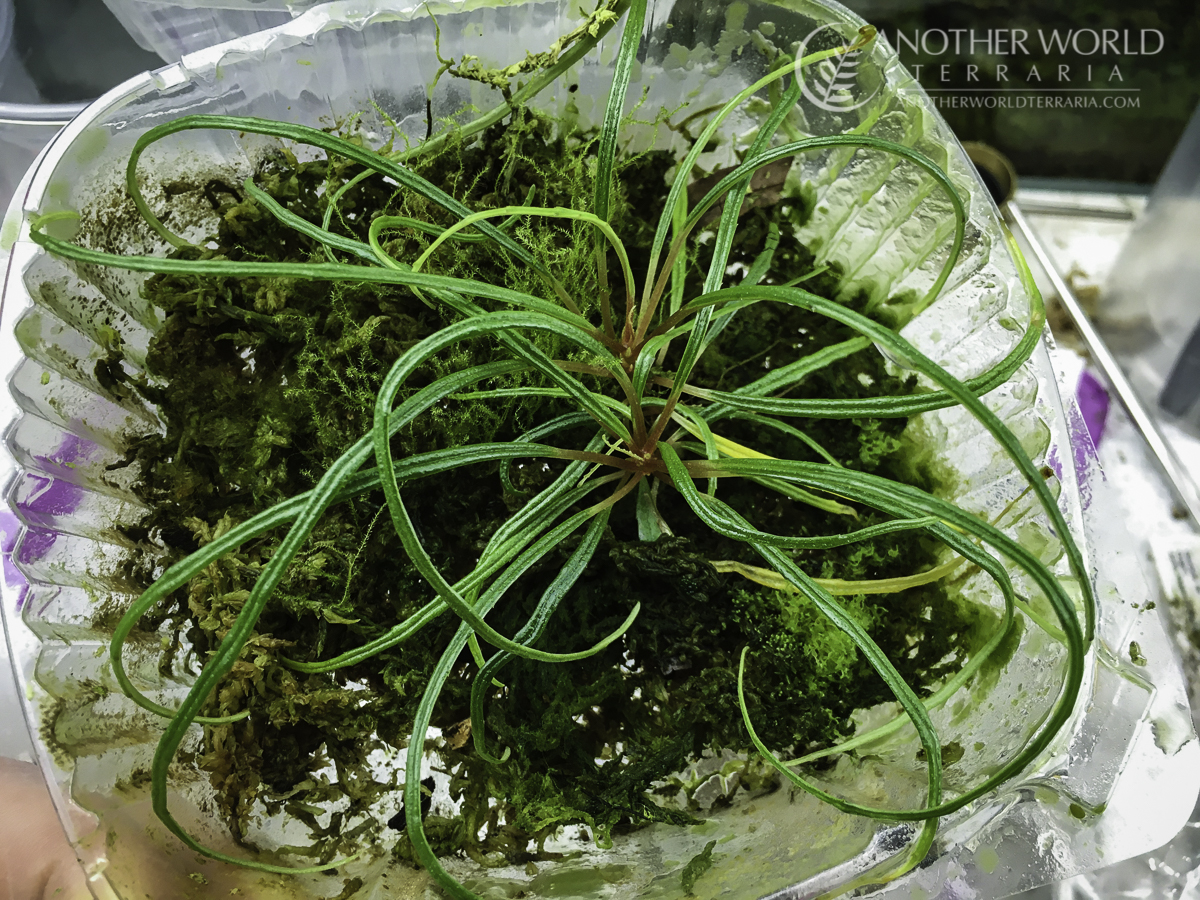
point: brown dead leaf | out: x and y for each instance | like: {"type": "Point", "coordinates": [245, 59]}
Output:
{"type": "Point", "coordinates": [766, 187]}
{"type": "Point", "coordinates": [458, 734]}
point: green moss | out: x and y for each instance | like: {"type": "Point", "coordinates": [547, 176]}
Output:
{"type": "Point", "coordinates": [1135, 654]}
{"type": "Point", "coordinates": [697, 866]}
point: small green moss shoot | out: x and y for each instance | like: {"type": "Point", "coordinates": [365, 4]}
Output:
{"type": "Point", "coordinates": [696, 867]}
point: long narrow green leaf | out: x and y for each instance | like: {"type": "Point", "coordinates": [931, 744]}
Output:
{"type": "Point", "coordinates": [735, 194]}
{"type": "Point", "coordinates": [793, 373]}
{"type": "Point", "coordinates": [963, 395]}
{"type": "Point", "coordinates": [789, 430]}
{"type": "Point", "coordinates": [416, 750]}
{"type": "Point", "coordinates": [614, 109]}
{"type": "Point", "coordinates": [587, 38]}
{"type": "Point", "coordinates": [500, 551]}
{"type": "Point", "coordinates": [554, 426]}
{"type": "Point", "coordinates": [900, 499]}
{"type": "Point", "coordinates": [878, 492]}
{"type": "Point", "coordinates": [719, 516]}
{"type": "Point", "coordinates": [888, 407]}
{"type": "Point", "coordinates": [403, 277]}
{"type": "Point", "coordinates": [766, 157]}
{"type": "Point", "coordinates": [418, 466]}
{"type": "Point", "coordinates": [509, 539]}
{"type": "Point", "coordinates": [683, 171]}
{"type": "Point", "coordinates": [314, 137]}
{"type": "Point", "coordinates": [381, 433]}
{"type": "Point", "coordinates": [547, 604]}
{"type": "Point", "coordinates": [306, 228]}
{"type": "Point", "coordinates": [516, 533]}
{"type": "Point", "coordinates": [412, 767]}
{"type": "Point", "coordinates": [732, 212]}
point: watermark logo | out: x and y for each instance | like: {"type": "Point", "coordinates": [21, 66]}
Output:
{"type": "Point", "coordinates": [1020, 68]}
{"type": "Point", "coordinates": [831, 84]}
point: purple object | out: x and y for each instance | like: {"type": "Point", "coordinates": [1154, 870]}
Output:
{"type": "Point", "coordinates": [10, 527]}
{"type": "Point", "coordinates": [1093, 404]}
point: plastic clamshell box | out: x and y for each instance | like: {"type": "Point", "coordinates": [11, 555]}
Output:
{"type": "Point", "coordinates": [1129, 750]}
{"type": "Point", "coordinates": [175, 28]}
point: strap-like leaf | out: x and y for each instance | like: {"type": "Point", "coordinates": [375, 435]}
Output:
{"type": "Point", "coordinates": [963, 395]}
{"type": "Point", "coordinates": [904, 500]}
{"type": "Point", "coordinates": [614, 109]}
{"type": "Point", "coordinates": [532, 630]}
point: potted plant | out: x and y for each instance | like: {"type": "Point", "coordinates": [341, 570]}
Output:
{"type": "Point", "coordinates": [653, 545]}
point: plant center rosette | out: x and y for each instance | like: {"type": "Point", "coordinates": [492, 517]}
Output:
{"type": "Point", "coordinates": [562, 475]}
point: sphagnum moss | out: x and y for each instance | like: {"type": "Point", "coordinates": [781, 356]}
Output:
{"type": "Point", "coordinates": [468, 323]}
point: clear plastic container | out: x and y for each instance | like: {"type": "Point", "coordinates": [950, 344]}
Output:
{"type": "Point", "coordinates": [15, 83]}
{"type": "Point", "coordinates": [1129, 754]}
{"type": "Point", "coordinates": [173, 29]}
{"type": "Point", "coordinates": [1150, 309]}
{"type": "Point", "coordinates": [25, 128]}
{"type": "Point", "coordinates": [26, 124]}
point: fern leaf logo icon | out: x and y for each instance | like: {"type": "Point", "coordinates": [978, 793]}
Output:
{"type": "Point", "coordinates": [832, 84]}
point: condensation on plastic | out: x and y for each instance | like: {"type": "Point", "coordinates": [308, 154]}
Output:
{"type": "Point", "coordinates": [174, 29]}
{"type": "Point", "coordinates": [1130, 744]}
